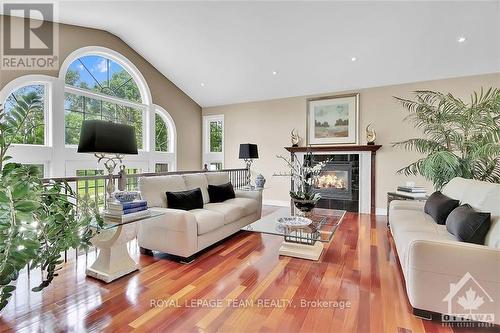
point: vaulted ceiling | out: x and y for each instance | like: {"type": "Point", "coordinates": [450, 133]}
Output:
{"type": "Point", "coordinates": [230, 52]}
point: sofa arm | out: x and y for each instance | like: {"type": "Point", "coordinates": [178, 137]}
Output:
{"type": "Point", "coordinates": [174, 232]}
{"type": "Point", "coordinates": [433, 266]}
{"type": "Point", "coordinates": [253, 194]}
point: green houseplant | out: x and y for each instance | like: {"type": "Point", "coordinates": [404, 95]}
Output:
{"type": "Point", "coordinates": [460, 139]}
{"type": "Point", "coordinates": [38, 221]}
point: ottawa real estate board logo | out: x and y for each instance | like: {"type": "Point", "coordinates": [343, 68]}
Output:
{"type": "Point", "coordinates": [469, 302]}
{"type": "Point", "coordinates": [29, 39]}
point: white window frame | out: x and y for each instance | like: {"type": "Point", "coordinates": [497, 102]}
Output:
{"type": "Point", "coordinates": [133, 72]}
{"type": "Point", "coordinates": [208, 156]}
{"type": "Point", "coordinates": [60, 159]}
{"type": "Point", "coordinates": [34, 80]}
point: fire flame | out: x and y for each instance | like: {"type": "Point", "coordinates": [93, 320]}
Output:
{"type": "Point", "coordinates": [326, 181]}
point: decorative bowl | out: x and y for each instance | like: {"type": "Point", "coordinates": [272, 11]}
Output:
{"type": "Point", "coordinates": [305, 206]}
{"type": "Point", "coordinates": [126, 196]}
{"type": "Point", "coordinates": [294, 221]}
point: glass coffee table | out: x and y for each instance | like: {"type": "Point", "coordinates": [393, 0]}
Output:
{"type": "Point", "coordinates": [304, 242]}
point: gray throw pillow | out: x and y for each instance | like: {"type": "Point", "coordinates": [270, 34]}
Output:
{"type": "Point", "coordinates": [439, 206]}
{"type": "Point", "coordinates": [468, 225]}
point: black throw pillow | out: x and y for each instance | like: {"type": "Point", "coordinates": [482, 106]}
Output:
{"type": "Point", "coordinates": [185, 200]}
{"type": "Point", "coordinates": [468, 225]}
{"type": "Point", "coordinates": [439, 206]}
{"type": "Point", "coordinates": [220, 193]}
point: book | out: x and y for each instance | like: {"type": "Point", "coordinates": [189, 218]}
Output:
{"type": "Point", "coordinates": [127, 205]}
{"type": "Point", "coordinates": [412, 189]}
{"type": "Point", "coordinates": [127, 211]}
{"type": "Point", "coordinates": [412, 195]}
{"type": "Point", "coordinates": [126, 218]}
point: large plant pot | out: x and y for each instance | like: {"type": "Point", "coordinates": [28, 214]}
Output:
{"type": "Point", "coordinates": [304, 206]}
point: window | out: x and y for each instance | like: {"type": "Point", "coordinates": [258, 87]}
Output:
{"type": "Point", "coordinates": [102, 75]}
{"type": "Point", "coordinates": [216, 129]}
{"type": "Point", "coordinates": [95, 189]}
{"type": "Point", "coordinates": [29, 100]}
{"type": "Point", "coordinates": [213, 141]}
{"type": "Point", "coordinates": [80, 108]}
{"type": "Point", "coordinates": [100, 88]}
{"type": "Point", "coordinates": [161, 167]}
{"type": "Point", "coordinates": [161, 134]}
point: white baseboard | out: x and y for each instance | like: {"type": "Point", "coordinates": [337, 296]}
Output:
{"type": "Point", "coordinates": [280, 203]}
{"type": "Point", "coordinates": [381, 211]}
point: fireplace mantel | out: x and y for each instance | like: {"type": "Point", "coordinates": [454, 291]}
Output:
{"type": "Point", "coordinates": [372, 148]}
{"type": "Point", "coordinates": [361, 149]}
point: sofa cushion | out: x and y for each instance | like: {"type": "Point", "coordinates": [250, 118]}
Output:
{"type": "Point", "coordinates": [221, 193]}
{"type": "Point", "coordinates": [185, 200]}
{"type": "Point", "coordinates": [207, 220]}
{"type": "Point", "coordinates": [439, 206]}
{"type": "Point", "coordinates": [231, 212]}
{"type": "Point", "coordinates": [468, 225]}
{"type": "Point", "coordinates": [198, 180]}
{"type": "Point", "coordinates": [153, 188]}
{"type": "Point", "coordinates": [217, 178]}
{"type": "Point", "coordinates": [412, 220]}
{"type": "Point", "coordinates": [250, 206]}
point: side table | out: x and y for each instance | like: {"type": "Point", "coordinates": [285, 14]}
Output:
{"type": "Point", "coordinates": [399, 196]}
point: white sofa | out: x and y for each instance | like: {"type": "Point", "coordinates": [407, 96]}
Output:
{"type": "Point", "coordinates": [433, 259]}
{"type": "Point", "coordinates": [184, 233]}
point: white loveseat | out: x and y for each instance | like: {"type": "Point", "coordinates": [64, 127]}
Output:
{"type": "Point", "coordinates": [184, 233]}
{"type": "Point", "coordinates": [435, 263]}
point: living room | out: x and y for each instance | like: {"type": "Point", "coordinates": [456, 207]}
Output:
{"type": "Point", "coordinates": [300, 166]}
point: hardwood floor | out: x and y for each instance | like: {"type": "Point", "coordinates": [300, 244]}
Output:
{"type": "Point", "coordinates": [239, 285]}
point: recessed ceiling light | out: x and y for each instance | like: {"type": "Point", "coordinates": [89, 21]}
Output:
{"type": "Point", "coordinates": [354, 59]}
{"type": "Point", "coordinates": [461, 39]}
{"type": "Point", "coordinates": [202, 84]}
{"type": "Point", "coordinates": [275, 73]}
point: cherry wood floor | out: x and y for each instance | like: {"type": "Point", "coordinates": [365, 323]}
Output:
{"type": "Point", "coordinates": [240, 285]}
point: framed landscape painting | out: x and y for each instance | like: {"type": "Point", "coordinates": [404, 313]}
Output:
{"type": "Point", "coordinates": [333, 120]}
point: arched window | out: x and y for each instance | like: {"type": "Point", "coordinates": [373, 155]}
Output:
{"type": "Point", "coordinates": [98, 87]}
{"type": "Point", "coordinates": [27, 106]}
{"type": "Point", "coordinates": [162, 142]}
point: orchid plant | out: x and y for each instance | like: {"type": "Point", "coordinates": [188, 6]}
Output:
{"type": "Point", "coordinates": [304, 176]}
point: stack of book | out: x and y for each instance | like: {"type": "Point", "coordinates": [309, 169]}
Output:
{"type": "Point", "coordinates": [121, 212]}
{"type": "Point", "coordinates": [412, 191]}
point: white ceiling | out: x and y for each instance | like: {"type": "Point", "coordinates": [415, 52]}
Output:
{"type": "Point", "coordinates": [233, 47]}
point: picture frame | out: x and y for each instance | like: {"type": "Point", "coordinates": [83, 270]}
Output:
{"type": "Point", "coordinates": [333, 120]}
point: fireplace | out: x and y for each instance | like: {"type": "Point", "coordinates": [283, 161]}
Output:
{"type": "Point", "coordinates": [338, 183]}
{"type": "Point", "coordinates": [335, 181]}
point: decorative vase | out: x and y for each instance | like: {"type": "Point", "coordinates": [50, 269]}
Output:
{"type": "Point", "coordinates": [304, 206]}
{"type": "Point", "coordinates": [260, 181]}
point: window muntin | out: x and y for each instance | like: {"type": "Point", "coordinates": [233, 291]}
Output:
{"type": "Point", "coordinates": [162, 135]}
{"type": "Point", "coordinates": [216, 132]}
{"type": "Point", "coordinates": [79, 108]}
{"type": "Point", "coordinates": [102, 75]}
{"type": "Point", "coordinates": [161, 167]}
{"type": "Point", "coordinates": [29, 99]}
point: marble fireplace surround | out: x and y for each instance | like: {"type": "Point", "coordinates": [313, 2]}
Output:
{"type": "Point", "coordinates": [367, 164]}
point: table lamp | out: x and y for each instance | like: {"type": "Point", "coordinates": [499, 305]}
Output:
{"type": "Point", "coordinates": [248, 152]}
{"type": "Point", "coordinates": [109, 142]}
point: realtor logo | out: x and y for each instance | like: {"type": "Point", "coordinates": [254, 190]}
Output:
{"type": "Point", "coordinates": [29, 38]}
{"type": "Point", "coordinates": [468, 301]}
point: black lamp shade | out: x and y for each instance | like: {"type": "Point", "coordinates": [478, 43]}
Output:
{"type": "Point", "coordinates": [248, 151]}
{"type": "Point", "coordinates": [98, 136]}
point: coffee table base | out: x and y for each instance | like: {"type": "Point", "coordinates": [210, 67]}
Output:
{"type": "Point", "coordinates": [309, 252]}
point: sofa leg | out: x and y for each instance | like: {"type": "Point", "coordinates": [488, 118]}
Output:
{"type": "Point", "coordinates": [145, 251]}
{"type": "Point", "coordinates": [187, 260]}
{"type": "Point", "coordinates": [422, 314]}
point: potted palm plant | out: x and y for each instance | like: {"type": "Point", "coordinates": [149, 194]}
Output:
{"type": "Point", "coordinates": [460, 139]}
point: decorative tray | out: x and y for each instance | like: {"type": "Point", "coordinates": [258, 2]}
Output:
{"type": "Point", "coordinates": [294, 221]}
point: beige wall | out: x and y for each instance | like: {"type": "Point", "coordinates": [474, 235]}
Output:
{"type": "Point", "coordinates": [268, 124]}
{"type": "Point", "coordinates": [185, 112]}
